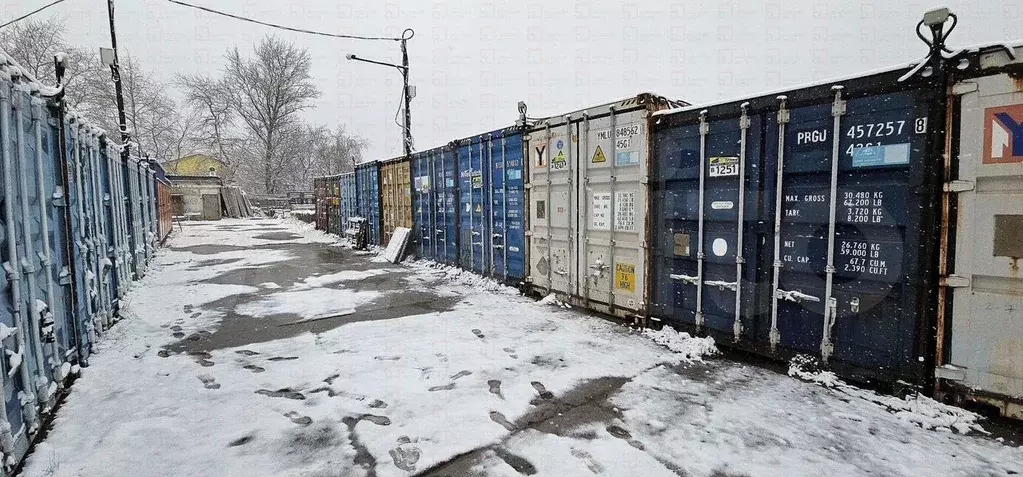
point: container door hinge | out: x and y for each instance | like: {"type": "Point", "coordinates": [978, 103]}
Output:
{"type": "Point", "coordinates": [959, 186]}
{"type": "Point", "coordinates": [950, 373]}
{"type": "Point", "coordinates": [964, 87]}
{"type": "Point", "coordinates": [955, 281]}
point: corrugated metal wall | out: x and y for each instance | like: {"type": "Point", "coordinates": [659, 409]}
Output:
{"type": "Point", "coordinates": [75, 232]}
{"type": "Point", "coordinates": [396, 196]}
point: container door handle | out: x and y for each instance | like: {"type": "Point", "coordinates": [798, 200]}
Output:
{"type": "Point", "coordinates": [687, 279]}
{"type": "Point", "coordinates": [794, 295]}
{"type": "Point", "coordinates": [722, 284]}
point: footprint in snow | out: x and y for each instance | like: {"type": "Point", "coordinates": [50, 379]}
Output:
{"type": "Point", "coordinates": [377, 404]}
{"type": "Point", "coordinates": [246, 352]}
{"type": "Point", "coordinates": [282, 358]}
{"type": "Point", "coordinates": [195, 315]}
{"type": "Point", "coordinates": [178, 335]}
{"type": "Point", "coordinates": [445, 387]}
{"type": "Point", "coordinates": [176, 328]}
{"type": "Point", "coordinates": [542, 390]}
{"type": "Point", "coordinates": [495, 386]}
{"type": "Point", "coordinates": [405, 455]}
{"type": "Point", "coordinates": [208, 381]}
{"type": "Point", "coordinates": [511, 353]}
{"type": "Point", "coordinates": [588, 459]}
{"type": "Point", "coordinates": [479, 334]}
{"type": "Point", "coordinates": [500, 419]}
{"type": "Point", "coordinates": [298, 419]}
{"type": "Point", "coordinates": [254, 368]}
{"type": "Point", "coordinates": [461, 374]}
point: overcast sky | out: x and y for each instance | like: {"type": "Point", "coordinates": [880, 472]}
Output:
{"type": "Point", "coordinates": [473, 61]}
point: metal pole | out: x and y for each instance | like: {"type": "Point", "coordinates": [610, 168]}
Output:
{"type": "Point", "coordinates": [408, 96]}
{"type": "Point", "coordinates": [115, 73]}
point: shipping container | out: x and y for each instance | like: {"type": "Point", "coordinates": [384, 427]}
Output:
{"type": "Point", "coordinates": [396, 196]}
{"type": "Point", "coordinates": [827, 248]}
{"type": "Point", "coordinates": [333, 204]}
{"type": "Point", "coordinates": [980, 337]}
{"type": "Point", "coordinates": [491, 204]}
{"type": "Point", "coordinates": [435, 175]}
{"type": "Point", "coordinates": [588, 172]}
{"type": "Point", "coordinates": [320, 193]}
{"type": "Point", "coordinates": [367, 181]}
{"type": "Point", "coordinates": [349, 200]}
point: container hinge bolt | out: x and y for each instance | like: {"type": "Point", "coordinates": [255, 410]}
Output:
{"type": "Point", "coordinates": [722, 284]}
{"type": "Point", "coordinates": [739, 259]}
{"type": "Point", "coordinates": [955, 281]}
{"type": "Point", "coordinates": [687, 279]}
{"type": "Point", "coordinates": [959, 186]}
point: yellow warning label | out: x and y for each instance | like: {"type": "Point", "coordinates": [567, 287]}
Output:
{"type": "Point", "coordinates": [625, 277]}
{"type": "Point", "coordinates": [559, 161]}
{"type": "Point", "coordinates": [598, 156]}
{"type": "Point", "coordinates": [479, 208]}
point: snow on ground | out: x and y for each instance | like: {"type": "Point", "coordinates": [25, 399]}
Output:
{"type": "Point", "coordinates": [473, 379]}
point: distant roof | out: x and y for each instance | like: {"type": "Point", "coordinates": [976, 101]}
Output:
{"type": "Point", "coordinates": [180, 178]}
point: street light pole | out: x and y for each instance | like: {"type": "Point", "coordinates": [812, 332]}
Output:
{"type": "Point", "coordinates": [115, 72]}
{"type": "Point", "coordinates": [406, 89]}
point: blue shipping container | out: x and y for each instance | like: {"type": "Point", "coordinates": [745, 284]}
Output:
{"type": "Point", "coordinates": [367, 177]}
{"type": "Point", "coordinates": [434, 215]}
{"type": "Point", "coordinates": [491, 201]}
{"type": "Point", "coordinates": [856, 303]}
{"type": "Point", "coordinates": [349, 199]}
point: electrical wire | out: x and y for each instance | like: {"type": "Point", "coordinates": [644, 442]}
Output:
{"type": "Point", "coordinates": [32, 13]}
{"type": "Point", "coordinates": [282, 27]}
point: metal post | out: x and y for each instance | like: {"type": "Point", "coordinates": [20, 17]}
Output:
{"type": "Point", "coordinates": [613, 216]}
{"type": "Point", "coordinates": [783, 119]}
{"type": "Point", "coordinates": [407, 94]}
{"type": "Point", "coordinates": [115, 74]}
{"type": "Point", "coordinates": [704, 130]}
{"type": "Point", "coordinates": [830, 304]}
{"type": "Point", "coordinates": [744, 127]}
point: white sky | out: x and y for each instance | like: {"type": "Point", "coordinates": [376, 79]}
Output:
{"type": "Point", "coordinates": [473, 61]}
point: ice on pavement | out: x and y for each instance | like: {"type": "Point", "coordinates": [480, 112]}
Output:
{"type": "Point", "coordinates": [494, 385]}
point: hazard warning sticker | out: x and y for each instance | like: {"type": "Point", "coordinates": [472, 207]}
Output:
{"type": "Point", "coordinates": [559, 162]}
{"type": "Point", "coordinates": [598, 156]}
{"type": "Point", "coordinates": [625, 277]}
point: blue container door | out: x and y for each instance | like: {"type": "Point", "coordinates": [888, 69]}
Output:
{"type": "Point", "coordinates": [445, 171]}
{"type": "Point", "coordinates": [873, 303]}
{"type": "Point", "coordinates": [707, 294]}
{"type": "Point", "coordinates": [55, 202]}
{"type": "Point", "coordinates": [474, 213]}
{"type": "Point", "coordinates": [423, 206]}
{"type": "Point", "coordinates": [507, 205]}
{"type": "Point", "coordinates": [81, 265]}
{"type": "Point", "coordinates": [369, 192]}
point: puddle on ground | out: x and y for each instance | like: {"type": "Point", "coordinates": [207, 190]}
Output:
{"type": "Point", "coordinates": [278, 236]}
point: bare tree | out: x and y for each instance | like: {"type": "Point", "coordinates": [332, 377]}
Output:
{"type": "Point", "coordinates": [211, 105]}
{"type": "Point", "coordinates": [34, 43]}
{"type": "Point", "coordinates": [268, 90]}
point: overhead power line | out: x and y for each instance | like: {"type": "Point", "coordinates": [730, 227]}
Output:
{"type": "Point", "coordinates": [282, 27]}
{"type": "Point", "coordinates": [32, 13]}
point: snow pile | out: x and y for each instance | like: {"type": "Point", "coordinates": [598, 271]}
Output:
{"type": "Point", "coordinates": [689, 348]}
{"type": "Point", "coordinates": [460, 277]}
{"type": "Point", "coordinates": [916, 409]}
{"type": "Point", "coordinates": [808, 369]}
{"type": "Point", "coordinates": [552, 299]}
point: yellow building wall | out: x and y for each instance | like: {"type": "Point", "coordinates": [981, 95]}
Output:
{"type": "Point", "coordinates": [197, 165]}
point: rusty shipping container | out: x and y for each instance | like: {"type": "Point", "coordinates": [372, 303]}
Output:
{"type": "Point", "coordinates": [395, 196]}
{"type": "Point", "coordinates": [588, 210]}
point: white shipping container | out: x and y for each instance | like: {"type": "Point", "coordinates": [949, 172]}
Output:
{"type": "Point", "coordinates": [588, 205]}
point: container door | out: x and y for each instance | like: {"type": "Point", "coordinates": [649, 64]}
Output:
{"type": "Point", "coordinates": [611, 178]}
{"type": "Point", "coordinates": [424, 206]}
{"type": "Point", "coordinates": [508, 234]}
{"type": "Point", "coordinates": [848, 258]}
{"type": "Point", "coordinates": [554, 215]}
{"type": "Point", "coordinates": [987, 310]}
{"type": "Point", "coordinates": [707, 214]}
{"type": "Point", "coordinates": [474, 211]}
{"type": "Point", "coordinates": [445, 170]}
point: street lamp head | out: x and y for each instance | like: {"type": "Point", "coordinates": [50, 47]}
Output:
{"type": "Point", "coordinates": [350, 56]}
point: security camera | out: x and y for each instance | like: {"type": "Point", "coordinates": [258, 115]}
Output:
{"type": "Point", "coordinates": [936, 17]}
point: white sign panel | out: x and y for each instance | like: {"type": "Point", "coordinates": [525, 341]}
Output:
{"type": "Point", "coordinates": [600, 216]}
{"type": "Point", "coordinates": [625, 211]}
